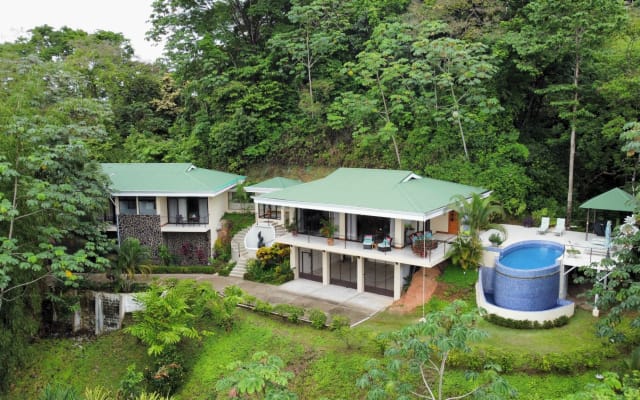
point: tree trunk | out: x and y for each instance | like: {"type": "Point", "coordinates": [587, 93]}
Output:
{"type": "Point", "coordinates": [387, 118]}
{"type": "Point", "coordinates": [572, 145]}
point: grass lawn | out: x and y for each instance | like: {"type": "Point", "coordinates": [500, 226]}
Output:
{"type": "Point", "coordinates": [324, 365]}
{"type": "Point", "coordinates": [578, 333]}
{"type": "Point", "coordinates": [78, 363]}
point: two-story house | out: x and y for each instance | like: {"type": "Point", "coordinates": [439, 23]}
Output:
{"type": "Point", "coordinates": [177, 205]}
{"type": "Point", "coordinates": [382, 220]}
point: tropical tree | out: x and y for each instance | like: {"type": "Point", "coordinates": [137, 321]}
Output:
{"type": "Point", "coordinates": [616, 285]}
{"type": "Point", "coordinates": [52, 195]}
{"type": "Point", "coordinates": [552, 33]}
{"type": "Point", "coordinates": [631, 138]}
{"type": "Point", "coordinates": [260, 378]}
{"type": "Point", "coordinates": [478, 213]}
{"type": "Point", "coordinates": [415, 364]}
{"type": "Point", "coordinates": [319, 32]}
{"type": "Point", "coordinates": [131, 259]}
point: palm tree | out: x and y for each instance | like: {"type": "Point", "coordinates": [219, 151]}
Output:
{"type": "Point", "coordinates": [478, 213]}
{"type": "Point", "coordinates": [132, 258]}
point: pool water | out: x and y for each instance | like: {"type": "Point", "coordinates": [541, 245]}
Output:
{"type": "Point", "coordinates": [528, 258]}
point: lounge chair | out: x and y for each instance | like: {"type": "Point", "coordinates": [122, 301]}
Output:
{"type": "Point", "coordinates": [367, 243]}
{"type": "Point", "coordinates": [544, 225]}
{"type": "Point", "coordinates": [560, 228]}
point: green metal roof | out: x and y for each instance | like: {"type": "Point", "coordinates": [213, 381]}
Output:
{"type": "Point", "coordinates": [372, 192]}
{"type": "Point", "coordinates": [273, 184]}
{"type": "Point", "coordinates": [615, 200]}
{"type": "Point", "coordinates": [167, 178]}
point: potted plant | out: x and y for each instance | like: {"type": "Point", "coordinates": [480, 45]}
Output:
{"type": "Point", "coordinates": [328, 229]}
{"type": "Point", "coordinates": [292, 227]}
{"type": "Point", "coordinates": [572, 252]}
{"type": "Point", "coordinates": [496, 239]}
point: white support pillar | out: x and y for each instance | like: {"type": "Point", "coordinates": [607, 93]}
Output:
{"type": "Point", "coordinates": [295, 262]}
{"type": "Point", "coordinates": [342, 226]}
{"type": "Point", "coordinates": [397, 281]}
{"type": "Point", "coordinates": [398, 234]}
{"type": "Point", "coordinates": [326, 277]}
{"type": "Point", "coordinates": [360, 274]}
{"type": "Point", "coordinates": [562, 292]}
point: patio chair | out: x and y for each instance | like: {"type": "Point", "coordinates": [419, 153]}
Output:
{"type": "Point", "coordinates": [544, 225]}
{"type": "Point", "coordinates": [367, 243]}
{"type": "Point", "coordinates": [385, 245]}
{"type": "Point", "coordinates": [560, 228]}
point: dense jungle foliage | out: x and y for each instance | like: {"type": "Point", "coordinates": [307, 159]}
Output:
{"type": "Point", "coordinates": [536, 100]}
{"type": "Point", "coordinates": [493, 93]}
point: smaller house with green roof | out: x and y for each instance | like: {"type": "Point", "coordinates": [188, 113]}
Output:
{"type": "Point", "coordinates": [385, 224]}
{"type": "Point", "coordinates": [177, 205]}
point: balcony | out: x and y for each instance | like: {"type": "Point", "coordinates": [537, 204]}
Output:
{"type": "Point", "coordinates": [192, 223]}
{"type": "Point", "coordinates": [346, 247]}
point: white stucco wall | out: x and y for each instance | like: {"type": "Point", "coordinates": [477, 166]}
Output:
{"type": "Point", "coordinates": [162, 208]}
{"type": "Point", "coordinates": [217, 207]}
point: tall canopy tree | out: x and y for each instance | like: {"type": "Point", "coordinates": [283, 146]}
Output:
{"type": "Point", "coordinates": [52, 196]}
{"type": "Point", "coordinates": [549, 32]}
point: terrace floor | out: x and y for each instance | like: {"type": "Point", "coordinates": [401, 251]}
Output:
{"type": "Point", "coordinates": [591, 248]}
{"type": "Point", "coordinates": [588, 249]}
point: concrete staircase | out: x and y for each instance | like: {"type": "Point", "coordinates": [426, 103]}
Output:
{"type": "Point", "coordinates": [241, 255]}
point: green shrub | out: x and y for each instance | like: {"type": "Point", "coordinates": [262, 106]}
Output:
{"type": "Point", "coordinates": [227, 268]}
{"type": "Point", "coordinates": [271, 265]}
{"type": "Point", "coordinates": [289, 311]}
{"type": "Point", "coordinates": [222, 251]}
{"type": "Point", "coordinates": [526, 324]}
{"type": "Point", "coordinates": [339, 322]}
{"type": "Point", "coordinates": [59, 392]}
{"type": "Point", "coordinates": [569, 362]}
{"type": "Point", "coordinates": [165, 255]}
{"type": "Point", "coordinates": [263, 307]}
{"type": "Point", "coordinates": [168, 373]}
{"type": "Point", "coordinates": [131, 384]}
{"type": "Point", "coordinates": [196, 269]}
{"type": "Point", "coordinates": [318, 318]}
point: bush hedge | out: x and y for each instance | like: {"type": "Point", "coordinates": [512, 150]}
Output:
{"type": "Point", "coordinates": [526, 324]}
{"type": "Point", "coordinates": [572, 361]}
{"type": "Point", "coordinates": [201, 269]}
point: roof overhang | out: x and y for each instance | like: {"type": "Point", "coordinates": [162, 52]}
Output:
{"type": "Point", "coordinates": [356, 210]}
{"type": "Point", "coordinates": [116, 193]}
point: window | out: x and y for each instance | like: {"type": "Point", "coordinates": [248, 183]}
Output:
{"type": "Point", "coordinates": [147, 205]}
{"type": "Point", "coordinates": [188, 210]}
{"type": "Point", "coordinates": [110, 213]}
{"type": "Point", "coordinates": [268, 211]}
{"type": "Point", "coordinates": [128, 206]}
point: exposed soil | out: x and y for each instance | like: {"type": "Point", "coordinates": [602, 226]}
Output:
{"type": "Point", "coordinates": [414, 296]}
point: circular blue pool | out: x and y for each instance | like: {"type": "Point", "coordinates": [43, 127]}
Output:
{"type": "Point", "coordinates": [527, 276]}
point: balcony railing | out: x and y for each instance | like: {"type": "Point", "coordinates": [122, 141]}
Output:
{"type": "Point", "coordinates": [188, 220]}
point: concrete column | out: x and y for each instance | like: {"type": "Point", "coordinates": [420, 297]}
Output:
{"type": "Point", "coordinates": [342, 226]}
{"type": "Point", "coordinates": [326, 277]}
{"type": "Point", "coordinates": [562, 292]}
{"type": "Point", "coordinates": [398, 234]}
{"type": "Point", "coordinates": [295, 262]}
{"type": "Point", "coordinates": [360, 274]}
{"type": "Point", "coordinates": [255, 210]}
{"type": "Point", "coordinates": [397, 281]}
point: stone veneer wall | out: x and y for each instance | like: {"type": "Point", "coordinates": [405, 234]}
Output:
{"type": "Point", "coordinates": [145, 228]}
{"type": "Point", "coordinates": [190, 248]}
